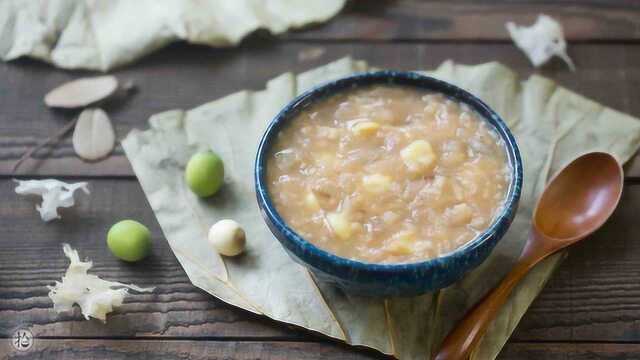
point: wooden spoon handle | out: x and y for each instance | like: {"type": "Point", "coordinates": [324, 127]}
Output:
{"type": "Point", "coordinates": [463, 339]}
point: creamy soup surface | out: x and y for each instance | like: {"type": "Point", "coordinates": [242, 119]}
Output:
{"type": "Point", "coordinates": [388, 174]}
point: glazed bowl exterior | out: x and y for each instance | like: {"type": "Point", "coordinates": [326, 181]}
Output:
{"type": "Point", "coordinates": [407, 279]}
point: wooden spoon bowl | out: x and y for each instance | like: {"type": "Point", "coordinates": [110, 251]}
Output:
{"type": "Point", "coordinates": [580, 198]}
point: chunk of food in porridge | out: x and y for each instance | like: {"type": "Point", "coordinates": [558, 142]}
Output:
{"type": "Point", "coordinates": [388, 174]}
{"type": "Point", "coordinates": [365, 128]}
{"type": "Point", "coordinates": [419, 157]}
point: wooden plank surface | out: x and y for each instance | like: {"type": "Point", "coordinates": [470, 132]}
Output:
{"type": "Point", "coordinates": [46, 349]}
{"type": "Point", "coordinates": [465, 20]}
{"type": "Point", "coordinates": [569, 351]}
{"type": "Point", "coordinates": [589, 309]}
{"type": "Point", "coordinates": [107, 349]}
{"type": "Point", "coordinates": [593, 297]}
{"type": "Point", "coordinates": [31, 258]}
{"type": "Point", "coordinates": [200, 74]}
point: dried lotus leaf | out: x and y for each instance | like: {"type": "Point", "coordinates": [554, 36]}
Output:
{"type": "Point", "coordinates": [81, 92]}
{"type": "Point", "coordinates": [93, 137]}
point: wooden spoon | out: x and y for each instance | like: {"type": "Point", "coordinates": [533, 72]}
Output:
{"type": "Point", "coordinates": [575, 203]}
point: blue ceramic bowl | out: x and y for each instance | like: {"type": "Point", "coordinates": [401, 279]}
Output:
{"type": "Point", "coordinates": [388, 279]}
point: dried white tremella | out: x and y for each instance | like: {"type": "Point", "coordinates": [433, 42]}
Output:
{"type": "Point", "coordinates": [93, 136]}
{"type": "Point", "coordinates": [541, 41]}
{"type": "Point", "coordinates": [96, 297]}
{"type": "Point", "coordinates": [81, 92]}
{"type": "Point", "coordinates": [227, 237]}
{"type": "Point", "coordinates": [55, 194]}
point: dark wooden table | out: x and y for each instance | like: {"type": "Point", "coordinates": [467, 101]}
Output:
{"type": "Point", "coordinates": [589, 310]}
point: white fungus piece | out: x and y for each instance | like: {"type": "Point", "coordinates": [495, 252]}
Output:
{"type": "Point", "coordinates": [55, 194]}
{"type": "Point", "coordinates": [541, 41]}
{"type": "Point", "coordinates": [227, 237]}
{"type": "Point", "coordinates": [96, 297]}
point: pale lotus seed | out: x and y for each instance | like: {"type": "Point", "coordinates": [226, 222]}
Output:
{"type": "Point", "coordinates": [227, 237]}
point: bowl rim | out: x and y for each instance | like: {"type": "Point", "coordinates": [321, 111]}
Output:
{"type": "Point", "coordinates": [332, 263]}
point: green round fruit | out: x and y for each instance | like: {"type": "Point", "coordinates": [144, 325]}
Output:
{"type": "Point", "coordinates": [204, 173]}
{"type": "Point", "coordinates": [129, 240]}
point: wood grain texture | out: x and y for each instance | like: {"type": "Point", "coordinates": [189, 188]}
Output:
{"type": "Point", "coordinates": [46, 349]}
{"type": "Point", "coordinates": [572, 351]}
{"type": "Point", "coordinates": [199, 74]}
{"type": "Point", "coordinates": [464, 20]}
{"type": "Point", "coordinates": [589, 309]}
{"type": "Point", "coordinates": [31, 258]}
{"type": "Point", "coordinates": [593, 297]}
{"type": "Point", "coordinates": [105, 349]}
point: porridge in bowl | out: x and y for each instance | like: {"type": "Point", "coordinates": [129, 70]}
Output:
{"type": "Point", "coordinates": [388, 174]}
